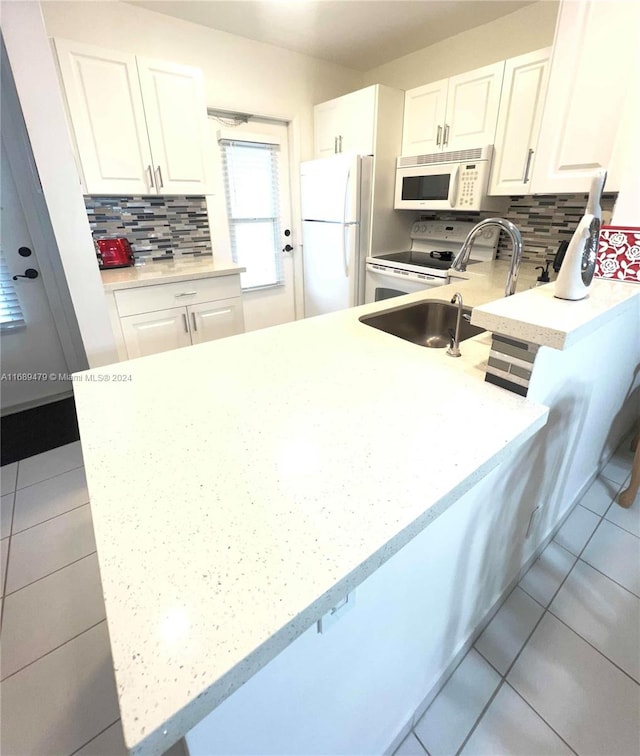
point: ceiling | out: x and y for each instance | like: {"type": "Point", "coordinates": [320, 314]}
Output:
{"type": "Point", "coordinates": [360, 34]}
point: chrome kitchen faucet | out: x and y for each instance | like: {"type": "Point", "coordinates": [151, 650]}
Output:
{"type": "Point", "coordinates": [462, 258]}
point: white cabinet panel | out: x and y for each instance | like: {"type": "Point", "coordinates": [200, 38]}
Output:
{"type": "Point", "coordinates": [453, 114]}
{"type": "Point", "coordinates": [155, 332]}
{"type": "Point", "coordinates": [424, 117]}
{"type": "Point", "coordinates": [176, 114]}
{"type": "Point", "coordinates": [215, 320]}
{"type": "Point", "coordinates": [523, 91]}
{"type": "Point", "coordinates": [346, 124]}
{"type": "Point", "coordinates": [588, 81]}
{"type": "Point", "coordinates": [327, 128]}
{"type": "Point", "coordinates": [105, 106]}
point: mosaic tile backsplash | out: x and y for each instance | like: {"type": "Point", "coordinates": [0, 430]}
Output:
{"type": "Point", "coordinates": [544, 221]}
{"type": "Point", "coordinates": [158, 228]}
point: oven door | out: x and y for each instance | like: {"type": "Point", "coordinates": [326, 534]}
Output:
{"type": "Point", "coordinates": [384, 282]}
{"type": "Point", "coordinates": [427, 187]}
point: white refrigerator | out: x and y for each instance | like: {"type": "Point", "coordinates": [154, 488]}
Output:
{"type": "Point", "coordinates": [336, 230]}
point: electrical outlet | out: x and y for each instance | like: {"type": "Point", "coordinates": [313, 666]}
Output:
{"type": "Point", "coordinates": [337, 612]}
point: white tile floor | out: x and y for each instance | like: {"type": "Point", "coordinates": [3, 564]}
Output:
{"type": "Point", "coordinates": [556, 670]}
{"type": "Point", "coordinates": [58, 689]}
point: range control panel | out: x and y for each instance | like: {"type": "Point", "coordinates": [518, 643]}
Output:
{"type": "Point", "coordinates": [453, 232]}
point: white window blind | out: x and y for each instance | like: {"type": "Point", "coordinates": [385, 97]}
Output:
{"type": "Point", "coordinates": [10, 312]}
{"type": "Point", "coordinates": [253, 210]}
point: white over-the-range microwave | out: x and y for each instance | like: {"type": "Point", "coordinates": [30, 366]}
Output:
{"type": "Point", "coordinates": [456, 180]}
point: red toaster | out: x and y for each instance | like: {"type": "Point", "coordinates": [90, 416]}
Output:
{"type": "Point", "coordinates": [114, 253]}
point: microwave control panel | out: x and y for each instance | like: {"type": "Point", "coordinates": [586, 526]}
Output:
{"type": "Point", "coordinates": [473, 181]}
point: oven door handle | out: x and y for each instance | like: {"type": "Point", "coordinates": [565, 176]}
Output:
{"type": "Point", "coordinates": [454, 191]}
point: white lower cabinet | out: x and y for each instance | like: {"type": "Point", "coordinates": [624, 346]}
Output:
{"type": "Point", "coordinates": [215, 320]}
{"type": "Point", "coordinates": [160, 317]}
{"type": "Point", "coordinates": [154, 332]}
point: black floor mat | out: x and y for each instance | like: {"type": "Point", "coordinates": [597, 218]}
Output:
{"type": "Point", "coordinates": [37, 430]}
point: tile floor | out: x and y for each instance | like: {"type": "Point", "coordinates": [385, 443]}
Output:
{"type": "Point", "coordinates": [58, 689]}
{"type": "Point", "coordinates": [556, 670]}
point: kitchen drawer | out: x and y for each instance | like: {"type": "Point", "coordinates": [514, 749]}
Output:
{"type": "Point", "coordinates": [164, 296]}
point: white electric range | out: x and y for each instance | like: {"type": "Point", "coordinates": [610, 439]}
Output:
{"type": "Point", "coordinates": [434, 245]}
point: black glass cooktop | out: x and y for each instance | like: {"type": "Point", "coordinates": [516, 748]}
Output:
{"type": "Point", "coordinates": [423, 259]}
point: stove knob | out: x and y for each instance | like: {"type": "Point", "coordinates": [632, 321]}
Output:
{"type": "Point", "coordinates": [488, 233]}
{"type": "Point", "coordinates": [423, 228]}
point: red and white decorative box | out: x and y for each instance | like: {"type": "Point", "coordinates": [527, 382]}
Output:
{"type": "Point", "coordinates": [619, 254]}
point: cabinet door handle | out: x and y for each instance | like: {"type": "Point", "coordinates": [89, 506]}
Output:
{"type": "Point", "coordinates": [186, 324]}
{"type": "Point", "coordinates": [340, 144]}
{"type": "Point", "coordinates": [438, 136]}
{"type": "Point", "coordinates": [335, 145]}
{"type": "Point", "coordinates": [150, 177]}
{"type": "Point", "coordinates": [446, 135]}
{"type": "Point", "coordinates": [193, 320]}
{"type": "Point", "coordinates": [159, 178]}
{"type": "Point", "coordinates": [527, 166]}
{"type": "Point", "coordinates": [186, 294]}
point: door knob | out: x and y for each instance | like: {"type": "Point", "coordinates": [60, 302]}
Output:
{"type": "Point", "coordinates": [29, 273]}
{"type": "Point", "coordinates": [287, 248]}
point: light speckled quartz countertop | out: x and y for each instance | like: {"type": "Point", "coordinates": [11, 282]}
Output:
{"type": "Point", "coordinates": [537, 316]}
{"type": "Point", "coordinates": [167, 272]}
{"type": "Point", "coordinates": [282, 469]}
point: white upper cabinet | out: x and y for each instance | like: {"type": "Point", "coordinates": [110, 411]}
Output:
{"type": "Point", "coordinates": [588, 81]}
{"type": "Point", "coordinates": [140, 126]}
{"type": "Point", "coordinates": [176, 114]}
{"type": "Point", "coordinates": [453, 114]}
{"type": "Point", "coordinates": [519, 118]}
{"type": "Point", "coordinates": [425, 110]}
{"type": "Point", "coordinates": [347, 123]}
{"type": "Point", "coordinates": [105, 106]}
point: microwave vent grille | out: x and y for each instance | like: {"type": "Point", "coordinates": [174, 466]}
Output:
{"type": "Point", "coordinates": [455, 156]}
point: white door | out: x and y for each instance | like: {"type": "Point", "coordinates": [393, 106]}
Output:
{"type": "Point", "coordinates": [523, 91]}
{"type": "Point", "coordinates": [593, 63]}
{"type": "Point", "coordinates": [245, 229]}
{"type": "Point", "coordinates": [153, 332]}
{"type": "Point", "coordinates": [105, 105]}
{"type": "Point", "coordinates": [33, 349]}
{"type": "Point", "coordinates": [176, 113]}
{"type": "Point", "coordinates": [472, 108]}
{"type": "Point", "coordinates": [424, 115]}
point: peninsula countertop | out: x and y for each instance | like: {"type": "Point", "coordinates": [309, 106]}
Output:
{"type": "Point", "coordinates": [283, 467]}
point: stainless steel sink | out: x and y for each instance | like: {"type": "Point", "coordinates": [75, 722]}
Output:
{"type": "Point", "coordinates": [423, 323]}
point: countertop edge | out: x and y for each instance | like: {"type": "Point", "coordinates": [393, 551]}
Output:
{"type": "Point", "coordinates": [165, 277]}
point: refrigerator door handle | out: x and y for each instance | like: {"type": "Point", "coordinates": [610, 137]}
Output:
{"type": "Point", "coordinates": [345, 231]}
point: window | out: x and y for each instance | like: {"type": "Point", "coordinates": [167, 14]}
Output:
{"type": "Point", "coordinates": [10, 312]}
{"type": "Point", "coordinates": [253, 210]}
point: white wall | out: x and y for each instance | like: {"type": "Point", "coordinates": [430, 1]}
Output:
{"type": "Point", "coordinates": [527, 29]}
{"type": "Point", "coordinates": [240, 74]}
{"type": "Point", "coordinates": [353, 689]}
